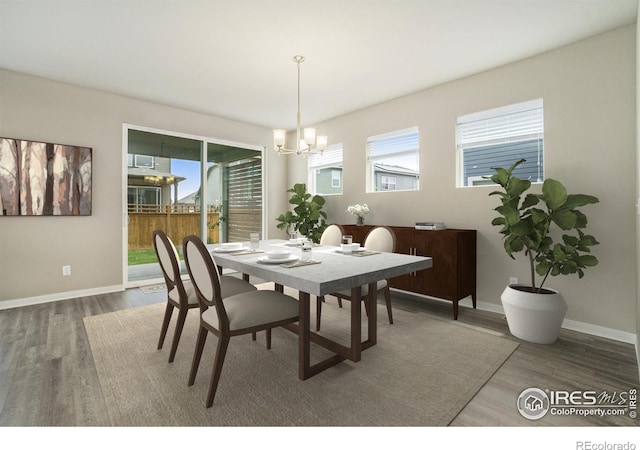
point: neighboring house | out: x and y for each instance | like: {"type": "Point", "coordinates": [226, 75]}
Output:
{"type": "Point", "coordinates": [149, 182]}
{"type": "Point", "coordinates": [395, 178]}
{"type": "Point", "coordinates": [480, 160]}
{"type": "Point", "coordinates": [329, 180]}
{"type": "Point", "coordinates": [387, 178]}
{"type": "Point", "coordinates": [214, 189]}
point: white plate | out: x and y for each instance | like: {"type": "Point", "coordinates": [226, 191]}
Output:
{"type": "Point", "coordinates": [229, 250]}
{"type": "Point", "coordinates": [361, 249]}
{"type": "Point", "coordinates": [267, 260]}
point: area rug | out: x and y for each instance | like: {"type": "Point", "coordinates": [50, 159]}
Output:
{"type": "Point", "coordinates": [422, 372]}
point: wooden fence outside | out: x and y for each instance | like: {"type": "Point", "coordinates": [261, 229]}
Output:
{"type": "Point", "coordinates": [177, 221]}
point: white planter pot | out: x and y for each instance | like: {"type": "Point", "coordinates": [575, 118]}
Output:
{"type": "Point", "coordinates": [534, 317]}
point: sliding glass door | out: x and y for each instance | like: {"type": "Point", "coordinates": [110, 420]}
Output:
{"type": "Point", "coordinates": [184, 185]}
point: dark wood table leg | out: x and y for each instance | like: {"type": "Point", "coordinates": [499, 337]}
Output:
{"type": "Point", "coordinates": [372, 326]}
{"type": "Point", "coordinates": [304, 338]}
{"type": "Point", "coordinates": [356, 324]}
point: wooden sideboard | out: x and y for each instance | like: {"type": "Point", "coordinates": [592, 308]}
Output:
{"type": "Point", "coordinates": [453, 275]}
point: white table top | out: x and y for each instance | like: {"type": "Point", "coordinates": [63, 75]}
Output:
{"type": "Point", "coordinates": [335, 272]}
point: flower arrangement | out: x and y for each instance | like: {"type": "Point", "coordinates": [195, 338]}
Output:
{"type": "Point", "coordinates": [359, 211]}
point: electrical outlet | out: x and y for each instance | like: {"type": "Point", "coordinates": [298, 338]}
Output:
{"type": "Point", "coordinates": [513, 280]}
{"type": "Point", "coordinates": [66, 271]}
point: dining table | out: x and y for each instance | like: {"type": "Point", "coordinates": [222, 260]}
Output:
{"type": "Point", "coordinates": [329, 271]}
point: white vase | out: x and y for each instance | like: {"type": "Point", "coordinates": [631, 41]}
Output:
{"type": "Point", "coordinates": [534, 317]}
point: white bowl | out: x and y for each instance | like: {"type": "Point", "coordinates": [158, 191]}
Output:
{"type": "Point", "coordinates": [278, 254]}
{"type": "Point", "coordinates": [231, 245]}
{"type": "Point", "coordinates": [352, 247]}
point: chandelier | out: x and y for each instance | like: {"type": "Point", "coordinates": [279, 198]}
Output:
{"type": "Point", "coordinates": [304, 141]}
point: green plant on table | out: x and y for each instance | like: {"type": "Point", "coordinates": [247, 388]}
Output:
{"type": "Point", "coordinates": [307, 216]}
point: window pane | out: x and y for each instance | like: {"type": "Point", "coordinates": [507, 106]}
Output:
{"type": "Point", "coordinates": [325, 171]}
{"type": "Point", "coordinates": [498, 138]}
{"type": "Point", "coordinates": [393, 161]}
{"type": "Point", "coordinates": [144, 161]}
{"type": "Point", "coordinates": [480, 160]}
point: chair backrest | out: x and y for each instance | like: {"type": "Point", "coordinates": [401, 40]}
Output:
{"type": "Point", "coordinates": [381, 239]}
{"type": "Point", "coordinates": [204, 276]}
{"type": "Point", "coordinates": [169, 263]}
{"type": "Point", "coordinates": [332, 235]}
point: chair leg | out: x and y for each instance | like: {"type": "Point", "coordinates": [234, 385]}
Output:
{"type": "Point", "coordinates": [268, 338]}
{"type": "Point", "coordinates": [223, 344]}
{"type": "Point", "coordinates": [319, 301]}
{"type": "Point", "coordinates": [387, 300]}
{"type": "Point", "coordinates": [165, 324]}
{"type": "Point", "coordinates": [339, 302]}
{"type": "Point", "coordinates": [253, 336]}
{"type": "Point", "coordinates": [182, 316]}
{"type": "Point", "coordinates": [197, 354]}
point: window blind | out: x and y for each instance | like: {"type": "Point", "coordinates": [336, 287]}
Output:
{"type": "Point", "coordinates": [394, 143]}
{"type": "Point", "coordinates": [245, 199]}
{"type": "Point", "coordinates": [331, 157]}
{"type": "Point", "coordinates": [517, 122]}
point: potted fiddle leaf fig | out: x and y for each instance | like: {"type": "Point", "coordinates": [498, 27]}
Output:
{"type": "Point", "coordinates": [307, 216]}
{"type": "Point", "coordinates": [527, 220]}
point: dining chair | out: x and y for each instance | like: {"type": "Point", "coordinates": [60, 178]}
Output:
{"type": "Point", "coordinates": [379, 239]}
{"type": "Point", "coordinates": [332, 235]}
{"type": "Point", "coordinates": [181, 295]}
{"type": "Point", "coordinates": [225, 317]}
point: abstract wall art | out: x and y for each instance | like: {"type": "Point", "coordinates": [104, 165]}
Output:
{"type": "Point", "coordinates": [43, 179]}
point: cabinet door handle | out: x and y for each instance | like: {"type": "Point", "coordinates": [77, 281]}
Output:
{"type": "Point", "coordinates": [414, 252]}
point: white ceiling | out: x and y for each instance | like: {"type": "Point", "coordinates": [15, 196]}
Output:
{"type": "Point", "coordinates": [232, 58]}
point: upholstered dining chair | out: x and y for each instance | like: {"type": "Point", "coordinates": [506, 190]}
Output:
{"type": "Point", "coordinates": [332, 235]}
{"type": "Point", "coordinates": [229, 316]}
{"type": "Point", "coordinates": [181, 295]}
{"type": "Point", "coordinates": [379, 239]}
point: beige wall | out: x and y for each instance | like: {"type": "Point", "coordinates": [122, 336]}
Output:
{"type": "Point", "coordinates": [33, 249]}
{"type": "Point", "coordinates": [589, 106]}
{"type": "Point", "coordinates": [589, 100]}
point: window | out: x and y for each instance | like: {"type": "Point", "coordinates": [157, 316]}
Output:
{"type": "Point", "coordinates": [392, 161]}
{"type": "Point", "coordinates": [325, 171]}
{"type": "Point", "coordinates": [498, 138]}
{"type": "Point", "coordinates": [388, 183]}
{"type": "Point", "coordinates": [144, 199]}
{"type": "Point", "coordinates": [144, 161]}
{"type": "Point", "coordinates": [336, 177]}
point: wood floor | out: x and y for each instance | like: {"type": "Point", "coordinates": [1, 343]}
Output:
{"type": "Point", "coordinates": [48, 377]}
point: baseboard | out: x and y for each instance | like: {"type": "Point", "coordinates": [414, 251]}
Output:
{"type": "Point", "coordinates": [595, 330]}
{"type": "Point", "coordinates": [8, 304]}
{"type": "Point", "coordinates": [582, 327]}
